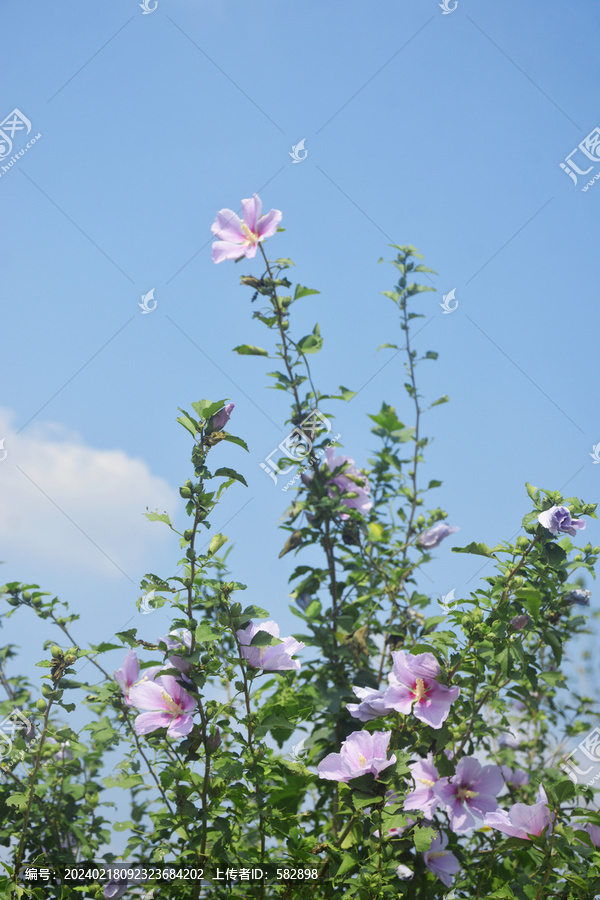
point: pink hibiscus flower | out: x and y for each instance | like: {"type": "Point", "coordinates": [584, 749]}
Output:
{"type": "Point", "coordinates": [413, 686]}
{"type": "Point", "coordinates": [236, 238]}
{"type": "Point", "coordinates": [168, 706]}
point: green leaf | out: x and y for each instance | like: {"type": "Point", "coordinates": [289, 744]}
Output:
{"type": "Point", "coordinates": [391, 346]}
{"type": "Point", "coordinates": [375, 531]}
{"type": "Point", "coordinates": [123, 781]}
{"type": "Point", "coordinates": [231, 473]}
{"type": "Point", "coordinates": [444, 399]}
{"type": "Point", "coordinates": [423, 838]}
{"type": "Point", "coordinates": [431, 354]}
{"type": "Point", "coordinates": [532, 491]}
{"type": "Point", "coordinates": [311, 343]}
{"type": "Point", "coordinates": [17, 800]}
{"type": "Point", "coordinates": [302, 291]}
{"type": "Point", "coordinates": [188, 424]}
{"type": "Point", "coordinates": [345, 393]}
{"type": "Point", "coordinates": [250, 350]}
{"type": "Point", "coordinates": [205, 632]}
{"type": "Point", "coordinates": [474, 548]}
{"type": "Point", "coordinates": [555, 555]}
{"type": "Point", "coordinates": [403, 435]}
{"type": "Point", "coordinates": [213, 408]}
{"type": "Point", "coordinates": [564, 790]}
{"type": "Point", "coordinates": [158, 517]}
{"type": "Point", "coordinates": [199, 406]}
{"type": "Point", "coordinates": [255, 612]}
{"type": "Point", "coordinates": [348, 862]}
{"type": "Point", "coordinates": [216, 543]}
{"type": "Point", "coordinates": [128, 637]}
{"type": "Point", "coordinates": [236, 440]}
{"type": "Point", "coordinates": [264, 639]}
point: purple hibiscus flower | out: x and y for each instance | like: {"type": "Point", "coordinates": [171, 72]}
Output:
{"type": "Point", "coordinates": [236, 238]}
{"type": "Point", "coordinates": [578, 597]}
{"type": "Point", "coordinates": [470, 791]}
{"type": "Point", "coordinates": [167, 705]}
{"type": "Point", "coordinates": [404, 873]}
{"type": "Point", "coordinates": [594, 833]}
{"type": "Point", "coordinates": [436, 535]}
{"type": "Point", "coordinates": [221, 418]}
{"type": "Point", "coordinates": [371, 706]}
{"type": "Point", "coordinates": [519, 622]}
{"type": "Point", "coordinates": [114, 889]}
{"type": "Point", "coordinates": [179, 640]}
{"type": "Point", "coordinates": [129, 674]}
{"type": "Point", "coordinates": [425, 776]}
{"type": "Point", "coordinates": [558, 518]}
{"type": "Point", "coordinates": [361, 753]}
{"type": "Point", "coordinates": [440, 861]}
{"type": "Point", "coordinates": [522, 820]}
{"type": "Point", "coordinates": [514, 777]}
{"type": "Point", "coordinates": [413, 686]}
{"type": "Point", "coordinates": [271, 658]}
{"type": "Point", "coordinates": [349, 484]}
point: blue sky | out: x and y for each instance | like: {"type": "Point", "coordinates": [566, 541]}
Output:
{"type": "Point", "coordinates": [444, 131]}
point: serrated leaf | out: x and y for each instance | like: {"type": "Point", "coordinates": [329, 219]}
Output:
{"type": "Point", "coordinates": [423, 838]}
{"type": "Point", "coordinates": [250, 350]}
{"type": "Point", "coordinates": [158, 517]}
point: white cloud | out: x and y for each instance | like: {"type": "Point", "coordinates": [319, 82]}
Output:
{"type": "Point", "coordinates": [66, 504]}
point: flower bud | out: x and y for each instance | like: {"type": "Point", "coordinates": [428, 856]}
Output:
{"type": "Point", "coordinates": [519, 622]}
{"type": "Point", "coordinates": [56, 651]}
{"type": "Point", "coordinates": [26, 596]}
{"type": "Point", "coordinates": [213, 741]}
{"type": "Point", "coordinates": [522, 543]}
{"type": "Point", "coordinates": [41, 704]}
